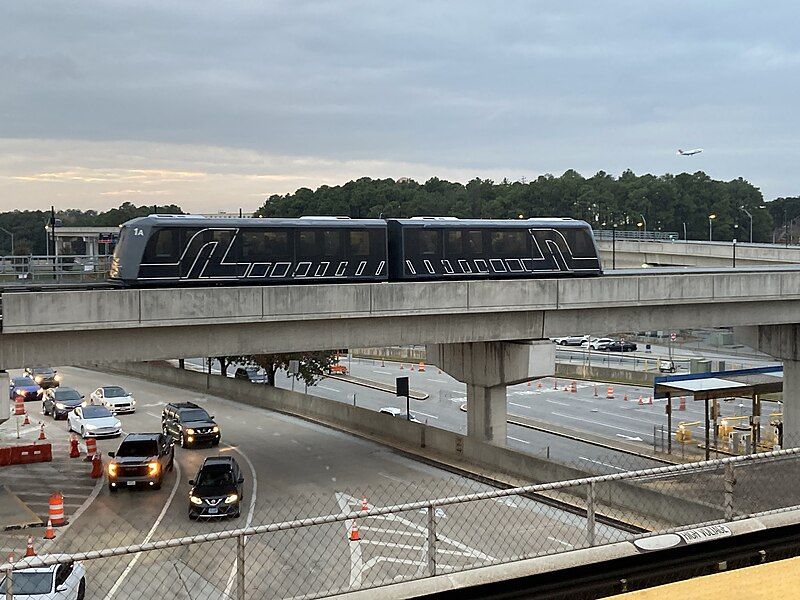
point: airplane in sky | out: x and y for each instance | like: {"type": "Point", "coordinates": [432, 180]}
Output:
{"type": "Point", "coordinates": [688, 152]}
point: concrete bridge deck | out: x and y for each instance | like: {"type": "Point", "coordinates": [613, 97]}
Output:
{"type": "Point", "coordinates": [634, 253]}
{"type": "Point", "coordinates": [80, 327]}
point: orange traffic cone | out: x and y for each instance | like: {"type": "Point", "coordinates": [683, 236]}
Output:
{"type": "Point", "coordinates": [354, 536]}
{"type": "Point", "coordinates": [29, 551]}
{"type": "Point", "coordinates": [364, 503]}
{"type": "Point", "coordinates": [401, 366]}
{"type": "Point", "coordinates": [650, 400]}
{"type": "Point", "coordinates": [41, 431]}
{"type": "Point", "coordinates": [625, 397]}
{"type": "Point", "coordinates": [529, 383]}
{"type": "Point", "coordinates": [574, 388]}
{"type": "Point", "coordinates": [412, 367]}
{"type": "Point", "coordinates": [49, 533]}
{"type": "Point", "coordinates": [682, 405]}
{"type": "Point", "coordinates": [74, 451]}
{"type": "Point", "coordinates": [641, 401]}
{"type": "Point", "coordinates": [27, 421]}
{"type": "Point", "coordinates": [539, 384]}
{"type": "Point", "coordinates": [97, 466]}
{"type": "Point", "coordinates": [609, 393]}
{"type": "Point", "coordinates": [439, 371]}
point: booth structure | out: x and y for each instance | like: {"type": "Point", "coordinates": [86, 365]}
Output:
{"type": "Point", "coordinates": [712, 387]}
{"type": "Point", "coordinates": [90, 242]}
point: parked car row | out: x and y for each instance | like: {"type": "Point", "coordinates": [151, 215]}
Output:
{"type": "Point", "coordinates": [603, 344]}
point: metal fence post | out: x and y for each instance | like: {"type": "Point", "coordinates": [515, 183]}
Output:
{"type": "Point", "coordinates": [730, 482]}
{"type": "Point", "coordinates": [10, 580]}
{"type": "Point", "coordinates": [240, 567]}
{"type": "Point", "coordinates": [590, 500]}
{"type": "Point", "coordinates": [431, 541]}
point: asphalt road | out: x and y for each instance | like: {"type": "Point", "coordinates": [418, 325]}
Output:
{"type": "Point", "coordinates": [293, 469]}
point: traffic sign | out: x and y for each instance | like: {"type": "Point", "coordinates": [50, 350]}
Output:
{"type": "Point", "coordinates": [673, 336]}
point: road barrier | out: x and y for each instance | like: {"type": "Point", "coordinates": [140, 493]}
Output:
{"type": "Point", "coordinates": [23, 455]}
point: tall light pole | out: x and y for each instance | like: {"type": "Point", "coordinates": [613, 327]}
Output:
{"type": "Point", "coordinates": [644, 221]}
{"type": "Point", "coordinates": [711, 218]}
{"type": "Point", "coordinates": [745, 211]}
{"type": "Point", "coordinates": [614, 246]}
{"type": "Point", "coordinates": [3, 229]}
{"type": "Point", "coordinates": [685, 239]}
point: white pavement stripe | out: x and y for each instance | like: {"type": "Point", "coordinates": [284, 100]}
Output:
{"type": "Point", "coordinates": [599, 462]}
{"type": "Point", "coordinates": [518, 440]}
{"type": "Point", "coordinates": [149, 535]}
{"type": "Point", "coordinates": [567, 544]}
{"type": "Point", "coordinates": [556, 402]}
{"type": "Point", "coordinates": [419, 412]}
{"type": "Point", "coordinates": [596, 423]}
{"type": "Point", "coordinates": [520, 405]}
{"type": "Point", "coordinates": [382, 372]}
{"type": "Point", "coordinates": [231, 577]}
{"type": "Point", "coordinates": [392, 531]}
{"type": "Point", "coordinates": [330, 389]}
{"type": "Point", "coordinates": [437, 380]}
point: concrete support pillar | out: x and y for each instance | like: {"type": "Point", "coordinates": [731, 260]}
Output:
{"type": "Point", "coordinates": [783, 342]}
{"type": "Point", "coordinates": [5, 402]}
{"type": "Point", "coordinates": [487, 368]}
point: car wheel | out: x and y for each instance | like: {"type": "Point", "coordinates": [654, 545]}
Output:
{"type": "Point", "coordinates": [44, 409]}
{"type": "Point", "coordinates": [157, 485]}
{"type": "Point", "coordinates": [192, 516]}
{"type": "Point", "coordinates": [215, 443]}
{"type": "Point", "coordinates": [563, 342]}
{"type": "Point", "coordinates": [238, 513]}
{"type": "Point", "coordinates": [81, 589]}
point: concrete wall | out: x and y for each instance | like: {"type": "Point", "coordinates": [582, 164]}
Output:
{"type": "Point", "coordinates": [696, 253]}
{"type": "Point", "coordinates": [636, 501]}
{"type": "Point", "coordinates": [606, 374]}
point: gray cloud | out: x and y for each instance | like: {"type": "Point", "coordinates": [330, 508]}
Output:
{"type": "Point", "coordinates": [476, 87]}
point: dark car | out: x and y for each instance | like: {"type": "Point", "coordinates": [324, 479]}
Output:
{"type": "Point", "coordinates": [141, 459]}
{"type": "Point", "coordinates": [45, 376]}
{"type": "Point", "coordinates": [251, 374]}
{"type": "Point", "coordinates": [25, 387]}
{"type": "Point", "coordinates": [60, 401]}
{"type": "Point", "coordinates": [217, 489]}
{"type": "Point", "coordinates": [189, 424]}
{"type": "Point", "coordinates": [620, 346]}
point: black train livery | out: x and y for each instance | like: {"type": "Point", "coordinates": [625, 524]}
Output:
{"type": "Point", "coordinates": [169, 250]}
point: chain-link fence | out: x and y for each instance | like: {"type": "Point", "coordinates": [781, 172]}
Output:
{"type": "Point", "coordinates": [316, 545]}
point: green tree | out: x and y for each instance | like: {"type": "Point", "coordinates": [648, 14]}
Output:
{"type": "Point", "coordinates": [312, 365]}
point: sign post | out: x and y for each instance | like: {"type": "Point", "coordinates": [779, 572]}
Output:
{"type": "Point", "coordinates": [294, 369]}
{"type": "Point", "coordinates": [401, 385]}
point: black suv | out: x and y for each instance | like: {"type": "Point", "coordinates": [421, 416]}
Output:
{"type": "Point", "coordinates": [44, 376]}
{"type": "Point", "coordinates": [217, 489]}
{"type": "Point", "coordinates": [60, 401]}
{"type": "Point", "coordinates": [142, 458]}
{"type": "Point", "coordinates": [189, 424]}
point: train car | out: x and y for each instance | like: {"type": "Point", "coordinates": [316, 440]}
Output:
{"type": "Point", "coordinates": [162, 250]}
{"type": "Point", "coordinates": [435, 248]}
{"type": "Point", "coordinates": [193, 250]}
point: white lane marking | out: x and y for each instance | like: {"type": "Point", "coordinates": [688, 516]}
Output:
{"type": "Point", "coordinates": [552, 539]}
{"type": "Point", "coordinates": [393, 478]}
{"type": "Point", "coordinates": [152, 414]}
{"type": "Point", "coordinates": [556, 402]}
{"type": "Point", "coordinates": [149, 535]}
{"type": "Point", "coordinates": [595, 422]}
{"type": "Point", "coordinates": [356, 560]}
{"type": "Point", "coordinates": [231, 577]}
{"type": "Point", "coordinates": [520, 405]}
{"type": "Point", "coordinates": [392, 531]}
{"type": "Point", "coordinates": [630, 438]}
{"type": "Point", "coordinates": [438, 380]}
{"type": "Point", "coordinates": [330, 389]}
{"type": "Point", "coordinates": [382, 372]}
{"type": "Point", "coordinates": [599, 462]}
{"type": "Point", "coordinates": [518, 440]}
{"type": "Point", "coordinates": [419, 412]}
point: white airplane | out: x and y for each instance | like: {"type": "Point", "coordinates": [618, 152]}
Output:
{"type": "Point", "coordinates": [688, 152]}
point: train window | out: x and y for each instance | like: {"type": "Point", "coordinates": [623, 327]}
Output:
{"type": "Point", "coordinates": [276, 243]}
{"type": "Point", "coordinates": [455, 243]}
{"type": "Point", "coordinates": [307, 243]}
{"type": "Point", "coordinates": [475, 242]}
{"type": "Point", "coordinates": [511, 242]}
{"type": "Point", "coordinates": [359, 243]}
{"type": "Point", "coordinates": [253, 245]}
{"type": "Point", "coordinates": [428, 241]}
{"type": "Point", "coordinates": [580, 243]}
{"type": "Point", "coordinates": [163, 246]}
{"type": "Point", "coordinates": [331, 242]}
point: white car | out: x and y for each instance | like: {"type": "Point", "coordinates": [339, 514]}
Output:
{"type": "Point", "coordinates": [114, 398]}
{"type": "Point", "coordinates": [66, 581]}
{"type": "Point", "coordinates": [597, 343]}
{"type": "Point", "coordinates": [396, 412]}
{"type": "Point", "coordinates": [571, 340]}
{"type": "Point", "coordinates": [94, 421]}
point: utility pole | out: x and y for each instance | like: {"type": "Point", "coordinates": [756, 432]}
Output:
{"type": "Point", "coordinates": [614, 246]}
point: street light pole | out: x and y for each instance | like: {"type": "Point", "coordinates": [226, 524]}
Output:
{"type": "Point", "coordinates": [3, 229]}
{"type": "Point", "coordinates": [614, 246]}
{"type": "Point", "coordinates": [685, 238]}
{"type": "Point", "coordinates": [745, 211]}
{"type": "Point", "coordinates": [711, 218]}
{"type": "Point", "coordinates": [645, 223]}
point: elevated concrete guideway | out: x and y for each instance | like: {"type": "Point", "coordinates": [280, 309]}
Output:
{"type": "Point", "coordinates": [634, 253]}
{"type": "Point", "coordinates": [88, 327]}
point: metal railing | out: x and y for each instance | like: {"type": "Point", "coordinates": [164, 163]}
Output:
{"type": "Point", "coordinates": [63, 268]}
{"type": "Point", "coordinates": [643, 236]}
{"type": "Point", "coordinates": [253, 555]}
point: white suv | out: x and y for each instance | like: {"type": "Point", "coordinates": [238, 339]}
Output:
{"type": "Point", "coordinates": [597, 343]}
{"type": "Point", "coordinates": [571, 340]}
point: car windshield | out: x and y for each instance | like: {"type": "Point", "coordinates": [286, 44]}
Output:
{"type": "Point", "coordinates": [29, 583]}
{"type": "Point", "coordinates": [215, 475]}
{"type": "Point", "coordinates": [114, 392]}
{"type": "Point", "coordinates": [138, 448]}
{"type": "Point", "coordinates": [67, 395]}
{"type": "Point", "coordinates": [42, 371]}
{"type": "Point", "coordinates": [96, 412]}
{"type": "Point", "coordinates": [23, 381]}
{"type": "Point", "coordinates": [197, 414]}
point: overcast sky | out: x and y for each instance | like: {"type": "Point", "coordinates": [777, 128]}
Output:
{"type": "Point", "coordinates": [215, 105]}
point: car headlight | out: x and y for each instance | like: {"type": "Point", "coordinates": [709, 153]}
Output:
{"type": "Point", "coordinates": [133, 402]}
{"type": "Point", "coordinates": [190, 438]}
{"type": "Point", "coordinates": [190, 431]}
{"type": "Point", "coordinates": [231, 499]}
{"type": "Point", "coordinates": [195, 500]}
{"type": "Point", "coordinates": [60, 405]}
{"type": "Point", "coordinates": [58, 377]}
{"type": "Point", "coordinates": [216, 429]}
{"type": "Point", "coordinates": [39, 379]}
{"type": "Point", "coordinates": [112, 469]}
{"type": "Point", "coordinates": [153, 468]}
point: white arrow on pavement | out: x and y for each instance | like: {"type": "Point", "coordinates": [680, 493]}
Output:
{"type": "Point", "coordinates": [629, 438]}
